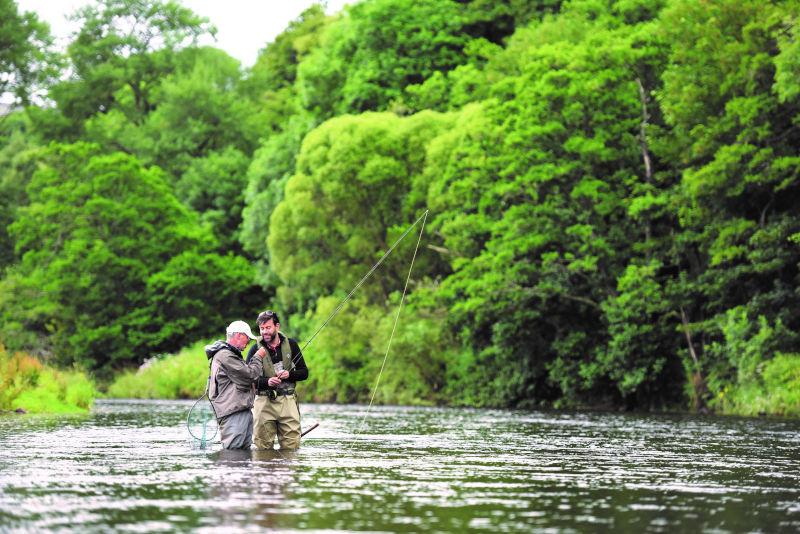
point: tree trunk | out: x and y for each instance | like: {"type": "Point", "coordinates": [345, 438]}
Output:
{"type": "Point", "coordinates": [699, 404]}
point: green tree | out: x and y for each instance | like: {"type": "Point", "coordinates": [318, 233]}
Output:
{"type": "Point", "coordinates": [495, 20]}
{"type": "Point", "coordinates": [202, 133]}
{"type": "Point", "coordinates": [271, 167]}
{"type": "Point", "coordinates": [17, 164]}
{"type": "Point", "coordinates": [122, 50]}
{"type": "Point", "coordinates": [276, 66]}
{"type": "Point", "coordinates": [346, 204]}
{"type": "Point", "coordinates": [377, 48]}
{"type": "Point", "coordinates": [27, 61]}
{"type": "Point", "coordinates": [356, 190]}
{"type": "Point", "coordinates": [272, 89]}
{"type": "Point", "coordinates": [199, 112]}
{"type": "Point", "coordinates": [531, 195]}
{"type": "Point", "coordinates": [733, 114]}
{"type": "Point", "coordinates": [214, 187]}
{"type": "Point", "coordinates": [112, 267]}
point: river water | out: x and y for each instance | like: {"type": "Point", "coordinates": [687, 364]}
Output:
{"type": "Point", "coordinates": [128, 466]}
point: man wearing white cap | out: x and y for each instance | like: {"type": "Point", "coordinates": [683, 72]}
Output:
{"type": "Point", "coordinates": [231, 387]}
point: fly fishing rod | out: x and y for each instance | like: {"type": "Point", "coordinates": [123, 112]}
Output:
{"type": "Point", "coordinates": [364, 279]}
{"type": "Point", "coordinates": [201, 420]}
{"type": "Point", "coordinates": [294, 360]}
{"type": "Point", "coordinates": [312, 427]}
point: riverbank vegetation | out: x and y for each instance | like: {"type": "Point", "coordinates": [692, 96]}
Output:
{"type": "Point", "coordinates": [28, 386]}
{"type": "Point", "coordinates": [611, 190]}
{"type": "Point", "coordinates": [169, 376]}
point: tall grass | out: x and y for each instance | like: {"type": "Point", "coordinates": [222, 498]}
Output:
{"type": "Point", "coordinates": [773, 390]}
{"type": "Point", "coordinates": [172, 376]}
{"type": "Point", "coordinates": [28, 385]}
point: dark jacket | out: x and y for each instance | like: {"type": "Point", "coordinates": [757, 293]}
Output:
{"type": "Point", "coordinates": [288, 349]}
{"type": "Point", "coordinates": [230, 388]}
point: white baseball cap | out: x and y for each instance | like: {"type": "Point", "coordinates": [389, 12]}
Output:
{"type": "Point", "coordinates": [242, 327]}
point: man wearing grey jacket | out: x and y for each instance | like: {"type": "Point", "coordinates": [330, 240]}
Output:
{"type": "Point", "coordinates": [231, 390]}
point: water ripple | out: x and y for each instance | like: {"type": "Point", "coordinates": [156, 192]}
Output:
{"type": "Point", "coordinates": [129, 467]}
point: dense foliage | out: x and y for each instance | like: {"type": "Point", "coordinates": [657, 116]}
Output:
{"type": "Point", "coordinates": [26, 59]}
{"type": "Point", "coordinates": [610, 186]}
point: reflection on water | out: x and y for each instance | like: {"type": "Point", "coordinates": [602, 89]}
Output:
{"type": "Point", "coordinates": [252, 483]}
{"type": "Point", "coordinates": [129, 467]}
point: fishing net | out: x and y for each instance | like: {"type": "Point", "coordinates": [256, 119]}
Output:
{"type": "Point", "coordinates": [202, 422]}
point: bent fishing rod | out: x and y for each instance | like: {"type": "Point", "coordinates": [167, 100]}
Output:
{"type": "Point", "coordinates": [293, 361]}
{"type": "Point", "coordinates": [201, 430]}
{"type": "Point", "coordinates": [364, 279]}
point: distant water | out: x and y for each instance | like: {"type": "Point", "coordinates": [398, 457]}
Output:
{"type": "Point", "coordinates": [129, 466]}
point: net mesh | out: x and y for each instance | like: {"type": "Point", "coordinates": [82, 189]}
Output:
{"type": "Point", "coordinates": [202, 422]}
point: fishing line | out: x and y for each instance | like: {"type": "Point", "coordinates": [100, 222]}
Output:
{"type": "Point", "coordinates": [423, 216]}
{"type": "Point", "coordinates": [364, 279]}
{"type": "Point", "coordinates": [201, 420]}
{"type": "Point", "coordinates": [396, 319]}
{"type": "Point", "coordinates": [293, 361]}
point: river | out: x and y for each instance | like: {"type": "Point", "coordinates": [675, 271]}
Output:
{"type": "Point", "coordinates": [129, 466]}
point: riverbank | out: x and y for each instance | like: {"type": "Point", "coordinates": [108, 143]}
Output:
{"type": "Point", "coordinates": [169, 376]}
{"type": "Point", "coordinates": [28, 386]}
{"type": "Point", "coordinates": [774, 390]}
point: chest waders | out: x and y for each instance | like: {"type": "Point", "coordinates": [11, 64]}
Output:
{"type": "Point", "coordinates": [286, 361]}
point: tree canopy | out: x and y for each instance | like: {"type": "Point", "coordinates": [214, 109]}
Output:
{"type": "Point", "coordinates": [28, 62]}
{"type": "Point", "coordinates": [609, 185]}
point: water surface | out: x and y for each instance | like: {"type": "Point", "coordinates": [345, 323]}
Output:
{"type": "Point", "coordinates": [129, 466]}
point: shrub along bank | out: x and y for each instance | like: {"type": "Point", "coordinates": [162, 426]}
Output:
{"type": "Point", "coordinates": [773, 387]}
{"type": "Point", "coordinates": [30, 386]}
{"type": "Point", "coordinates": [174, 376]}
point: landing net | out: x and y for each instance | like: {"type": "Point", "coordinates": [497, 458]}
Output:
{"type": "Point", "coordinates": [202, 422]}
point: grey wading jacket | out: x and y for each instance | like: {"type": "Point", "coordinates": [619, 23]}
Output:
{"type": "Point", "coordinates": [230, 387]}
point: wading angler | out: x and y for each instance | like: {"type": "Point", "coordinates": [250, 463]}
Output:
{"type": "Point", "coordinates": [230, 388]}
{"type": "Point", "coordinates": [276, 412]}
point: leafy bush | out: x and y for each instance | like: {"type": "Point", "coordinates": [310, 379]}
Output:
{"type": "Point", "coordinates": [29, 385]}
{"type": "Point", "coordinates": [774, 391]}
{"type": "Point", "coordinates": [751, 376]}
{"type": "Point", "coordinates": [349, 359]}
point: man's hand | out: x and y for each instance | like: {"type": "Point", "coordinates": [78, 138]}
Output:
{"type": "Point", "coordinates": [261, 352]}
{"type": "Point", "coordinates": [283, 375]}
{"type": "Point", "coordinates": [274, 381]}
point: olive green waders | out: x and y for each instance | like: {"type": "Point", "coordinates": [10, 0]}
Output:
{"type": "Point", "coordinates": [279, 416]}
